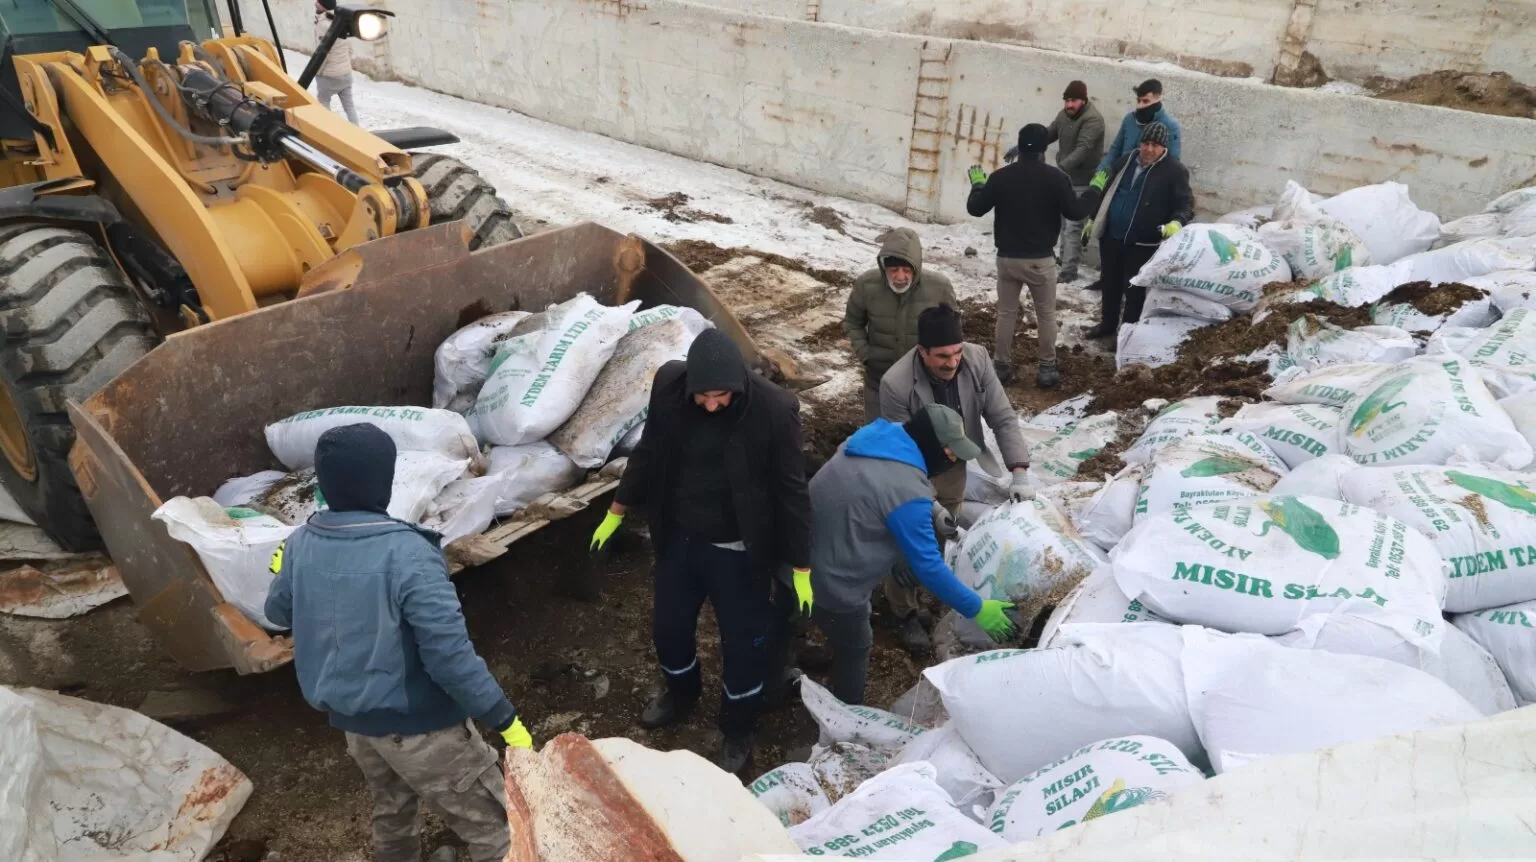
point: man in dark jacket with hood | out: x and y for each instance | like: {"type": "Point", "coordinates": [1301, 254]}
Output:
{"type": "Point", "coordinates": [1149, 109]}
{"type": "Point", "coordinates": [721, 476]}
{"type": "Point", "coordinates": [1148, 201]}
{"type": "Point", "coordinates": [872, 505]}
{"type": "Point", "coordinates": [380, 646]}
{"type": "Point", "coordinates": [881, 320]}
{"type": "Point", "coordinates": [1031, 199]}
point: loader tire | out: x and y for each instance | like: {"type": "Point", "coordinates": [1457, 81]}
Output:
{"type": "Point", "coordinates": [69, 323]}
{"type": "Point", "coordinates": [457, 192]}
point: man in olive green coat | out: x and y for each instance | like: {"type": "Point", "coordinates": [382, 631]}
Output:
{"type": "Point", "coordinates": [883, 307]}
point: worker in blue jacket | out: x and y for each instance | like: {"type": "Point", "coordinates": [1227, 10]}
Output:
{"type": "Point", "coordinates": [380, 646]}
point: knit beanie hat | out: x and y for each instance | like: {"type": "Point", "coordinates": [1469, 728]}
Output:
{"type": "Point", "coordinates": [1076, 90]}
{"type": "Point", "coordinates": [715, 363]}
{"type": "Point", "coordinates": [356, 468]}
{"type": "Point", "coordinates": [1155, 133]}
{"type": "Point", "coordinates": [1034, 138]}
{"type": "Point", "coordinates": [939, 327]}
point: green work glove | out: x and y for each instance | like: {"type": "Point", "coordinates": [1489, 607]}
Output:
{"type": "Point", "coordinates": [993, 621]}
{"type": "Point", "coordinates": [517, 736]}
{"type": "Point", "coordinates": [605, 531]}
{"type": "Point", "coordinates": [977, 175]}
{"type": "Point", "coordinates": [1099, 181]}
{"type": "Point", "coordinates": [1087, 230]}
{"type": "Point", "coordinates": [804, 597]}
{"type": "Point", "coordinates": [1169, 229]}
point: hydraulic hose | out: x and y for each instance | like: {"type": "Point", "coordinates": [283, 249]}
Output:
{"type": "Point", "coordinates": [132, 68]}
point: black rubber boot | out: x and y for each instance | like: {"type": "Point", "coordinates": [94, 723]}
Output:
{"type": "Point", "coordinates": [1048, 376]}
{"type": "Point", "coordinates": [1097, 285]}
{"type": "Point", "coordinates": [913, 638]}
{"type": "Point", "coordinates": [735, 754]}
{"type": "Point", "coordinates": [664, 710]}
{"type": "Point", "coordinates": [1102, 330]}
{"type": "Point", "coordinates": [1004, 372]}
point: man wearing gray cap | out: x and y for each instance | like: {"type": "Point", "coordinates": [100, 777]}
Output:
{"type": "Point", "coordinates": [1148, 200]}
{"type": "Point", "coordinates": [871, 507]}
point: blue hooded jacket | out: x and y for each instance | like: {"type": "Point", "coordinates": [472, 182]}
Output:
{"type": "Point", "coordinates": [379, 640]}
{"type": "Point", "coordinates": [872, 506]}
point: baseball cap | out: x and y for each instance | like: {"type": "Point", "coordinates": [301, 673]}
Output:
{"type": "Point", "coordinates": [949, 428]}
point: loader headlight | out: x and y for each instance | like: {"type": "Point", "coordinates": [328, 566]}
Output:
{"type": "Point", "coordinates": [368, 26]}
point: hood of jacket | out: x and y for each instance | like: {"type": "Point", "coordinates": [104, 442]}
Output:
{"type": "Point", "coordinates": [355, 465]}
{"type": "Point", "coordinates": [904, 243]}
{"type": "Point", "coordinates": [365, 525]}
{"type": "Point", "coordinates": [886, 441]}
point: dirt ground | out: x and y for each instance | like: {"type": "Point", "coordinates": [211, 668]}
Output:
{"type": "Point", "coordinates": [567, 664]}
{"type": "Point", "coordinates": [1495, 93]}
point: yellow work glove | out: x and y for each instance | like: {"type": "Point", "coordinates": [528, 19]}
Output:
{"type": "Point", "coordinates": [517, 736]}
{"type": "Point", "coordinates": [976, 175]}
{"type": "Point", "coordinates": [993, 621]}
{"type": "Point", "coordinates": [1099, 181]}
{"type": "Point", "coordinates": [1087, 230]}
{"type": "Point", "coordinates": [804, 598]}
{"type": "Point", "coordinates": [605, 531]}
{"type": "Point", "coordinates": [1169, 229]}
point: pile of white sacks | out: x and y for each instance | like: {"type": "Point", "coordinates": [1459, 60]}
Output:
{"type": "Point", "coordinates": [524, 404]}
{"type": "Point", "coordinates": [1353, 248]}
{"type": "Point", "coordinates": [1352, 557]}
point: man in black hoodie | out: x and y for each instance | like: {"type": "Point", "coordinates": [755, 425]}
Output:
{"type": "Point", "coordinates": [1031, 198]}
{"type": "Point", "coordinates": [720, 473]}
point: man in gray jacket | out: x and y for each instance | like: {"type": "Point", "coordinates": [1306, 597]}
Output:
{"type": "Point", "coordinates": [881, 320]}
{"type": "Point", "coordinates": [872, 507]}
{"type": "Point", "coordinates": [1078, 132]}
{"type": "Point", "coordinates": [944, 369]}
{"type": "Point", "coordinates": [379, 645]}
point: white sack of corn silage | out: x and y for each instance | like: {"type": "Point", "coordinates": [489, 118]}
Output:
{"type": "Point", "coordinates": [1264, 564]}
{"type": "Point", "coordinates": [1096, 600]}
{"type": "Point", "coordinates": [1022, 709]}
{"type": "Point", "coordinates": [1171, 424]}
{"type": "Point", "coordinates": [1297, 433]}
{"type": "Point", "coordinates": [1208, 468]}
{"type": "Point", "coordinates": [1505, 352]}
{"type": "Point", "coordinates": [1508, 633]}
{"type": "Point", "coordinates": [618, 399]}
{"type": "Point", "coordinates": [413, 429]}
{"type": "Point", "coordinates": [463, 360]}
{"type": "Point", "coordinates": [1251, 698]}
{"type": "Point", "coordinates": [1385, 218]}
{"type": "Point", "coordinates": [1153, 341]}
{"type": "Point", "coordinates": [1023, 551]}
{"type": "Point", "coordinates": [1315, 247]}
{"type": "Point", "coordinates": [1312, 343]}
{"type": "Point", "coordinates": [1320, 477]}
{"type": "Point", "coordinates": [528, 472]}
{"type": "Point", "coordinates": [1476, 313]}
{"type": "Point", "coordinates": [1426, 411]}
{"type": "Point", "coordinates": [1509, 290]}
{"type": "Point", "coordinates": [538, 379]}
{"type": "Point", "coordinates": [1335, 386]}
{"type": "Point", "coordinates": [1222, 263]}
{"type": "Point", "coordinates": [900, 814]}
{"type": "Point", "coordinates": [419, 478]}
{"type": "Point", "coordinates": [235, 546]}
{"type": "Point", "coordinates": [1096, 780]}
{"type": "Point", "coordinates": [1111, 512]}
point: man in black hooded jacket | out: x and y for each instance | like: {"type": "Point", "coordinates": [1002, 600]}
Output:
{"type": "Point", "coordinates": [721, 476]}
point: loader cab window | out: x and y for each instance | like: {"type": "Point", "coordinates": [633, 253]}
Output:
{"type": "Point", "coordinates": [36, 17]}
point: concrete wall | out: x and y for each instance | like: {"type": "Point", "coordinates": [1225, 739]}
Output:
{"type": "Point", "coordinates": [1355, 40]}
{"type": "Point", "coordinates": [895, 118]}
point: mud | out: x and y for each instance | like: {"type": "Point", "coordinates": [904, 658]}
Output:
{"type": "Point", "coordinates": [1434, 299]}
{"type": "Point", "coordinates": [829, 218]}
{"type": "Point", "coordinates": [1496, 93]}
{"type": "Point", "coordinates": [1081, 369]}
{"type": "Point", "coordinates": [674, 208]}
{"type": "Point", "coordinates": [701, 256]}
{"type": "Point", "coordinates": [828, 337]}
{"type": "Point", "coordinates": [826, 424]}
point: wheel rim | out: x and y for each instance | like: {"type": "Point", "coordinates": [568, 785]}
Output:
{"type": "Point", "coordinates": [13, 438]}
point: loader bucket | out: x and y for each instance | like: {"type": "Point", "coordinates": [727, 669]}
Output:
{"type": "Point", "coordinates": [190, 414]}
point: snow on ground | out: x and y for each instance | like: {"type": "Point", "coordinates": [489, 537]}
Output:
{"type": "Point", "coordinates": [552, 176]}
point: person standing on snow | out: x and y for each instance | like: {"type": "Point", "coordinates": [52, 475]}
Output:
{"type": "Point", "coordinates": [720, 472]}
{"type": "Point", "coordinates": [1078, 132]}
{"type": "Point", "coordinates": [881, 319]}
{"type": "Point", "coordinates": [395, 671]}
{"type": "Point", "coordinates": [1148, 201]}
{"type": "Point", "coordinates": [944, 369]}
{"type": "Point", "coordinates": [1031, 198]}
{"type": "Point", "coordinates": [335, 75]}
{"type": "Point", "coordinates": [872, 506]}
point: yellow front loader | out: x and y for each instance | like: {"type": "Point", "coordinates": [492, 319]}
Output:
{"type": "Point", "coordinates": [191, 247]}
{"type": "Point", "coordinates": [153, 179]}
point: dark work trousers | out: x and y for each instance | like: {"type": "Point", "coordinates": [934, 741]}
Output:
{"type": "Point", "coordinates": [690, 571]}
{"type": "Point", "coordinates": [849, 635]}
{"type": "Point", "coordinates": [1118, 263]}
